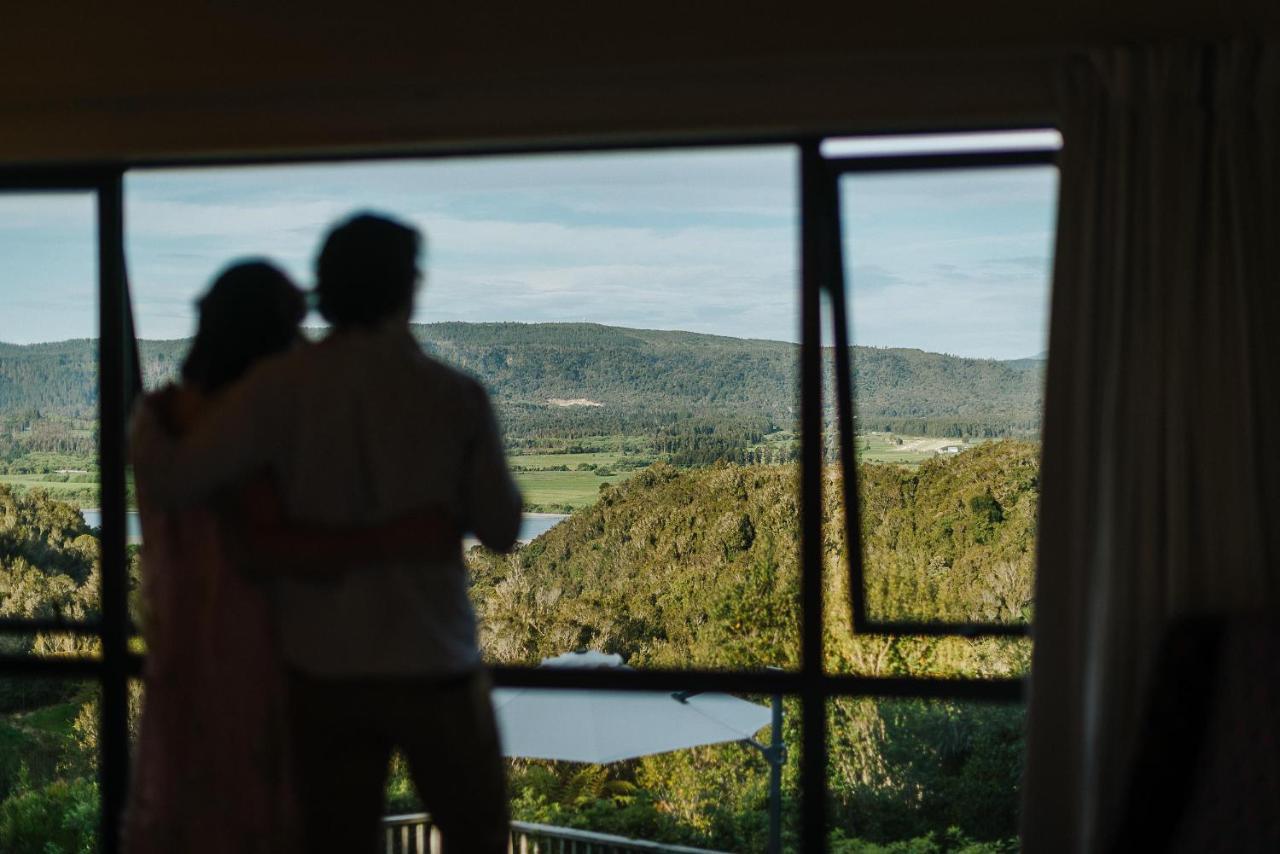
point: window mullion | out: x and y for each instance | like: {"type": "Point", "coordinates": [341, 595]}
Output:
{"type": "Point", "coordinates": [113, 771]}
{"type": "Point", "coordinates": [813, 760]}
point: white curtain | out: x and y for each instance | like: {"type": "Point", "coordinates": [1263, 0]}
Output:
{"type": "Point", "coordinates": [1162, 437]}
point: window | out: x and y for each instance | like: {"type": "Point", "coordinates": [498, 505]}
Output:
{"type": "Point", "coordinates": [939, 287]}
{"type": "Point", "coordinates": [650, 325]}
{"type": "Point", "coordinates": [635, 319]}
{"type": "Point", "coordinates": [63, 572]}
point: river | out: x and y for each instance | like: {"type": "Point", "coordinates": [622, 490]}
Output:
{"type": "Point", "coordinates": [532, 525]}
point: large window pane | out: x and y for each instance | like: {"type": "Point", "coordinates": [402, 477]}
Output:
{"type": "Point", "coordinates": [48, 408]}
{"type": "Point", "coordinates": [635, 319]}
{"type": "Point", "coordinates": [947, 276]}
{"type": "Point", "coordinates": [49, 550]}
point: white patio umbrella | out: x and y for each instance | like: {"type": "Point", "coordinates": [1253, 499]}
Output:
{"type": "Point", "coordinates": [609, 726]}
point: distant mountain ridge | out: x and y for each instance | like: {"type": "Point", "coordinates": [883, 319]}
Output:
{"type": "Point", "coordinates": [639, 376]}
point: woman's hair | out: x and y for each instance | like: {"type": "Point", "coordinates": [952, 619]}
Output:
{"type": "Point", "coordinates": [252, 311]}
{"type": "Point", "coordinates": [367, 270]}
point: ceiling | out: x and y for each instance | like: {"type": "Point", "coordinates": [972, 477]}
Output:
{"type": "Point", "coordinates": [100, 82]}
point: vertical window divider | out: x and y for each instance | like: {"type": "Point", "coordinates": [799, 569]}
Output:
{"type": "Point", "coordinates": [114, 337]}
{"type": "Point", "coordinates": [814, 212]}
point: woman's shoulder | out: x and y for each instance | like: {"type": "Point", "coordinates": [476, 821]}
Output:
{"type": "Point", "coordinates": [160, 417]}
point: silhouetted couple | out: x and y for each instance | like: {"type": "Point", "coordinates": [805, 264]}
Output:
{"type": "Point", "coordinates": [303, 507]}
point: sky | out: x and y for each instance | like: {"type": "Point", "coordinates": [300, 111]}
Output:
{"type": "Point", "coordinates": [700, 240]}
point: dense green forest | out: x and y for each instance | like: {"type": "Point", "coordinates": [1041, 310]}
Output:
{"type": "Point", "coordinates": [706, 395]}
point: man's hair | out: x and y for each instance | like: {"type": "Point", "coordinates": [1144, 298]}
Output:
{"type": "Point", "coordinates": [251, 311]}
{"type": "Point", "coordinates": [367, 270]}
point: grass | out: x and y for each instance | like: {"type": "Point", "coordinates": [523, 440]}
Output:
{"type": "Point", "coordinates": [561, 489]}
{"type": "Point", "coordinates": [555, 491]}
{"type": "Point", "coordinates": [913, 450]}
{"type": "Point", "coordinates": [81, 493]}
{"type": "Point", "coordinates": [38, 739]}
{"type": "Point", "coordinates": [54, 720]}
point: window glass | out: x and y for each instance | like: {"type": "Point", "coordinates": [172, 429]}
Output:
{"type": "Point", "coordinates": [947, 276]}
{"type": "Point", "coordinates": [634, 317]}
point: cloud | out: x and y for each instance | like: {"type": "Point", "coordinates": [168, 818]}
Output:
{"type": "Point", "coordinates": [702, 240]}
{"type": "Point", "coordinates": [669, 244]}
{"type": "Point", "coordinates": [871, 277]}
{"type": "Point", "coordinates": [1034, 263]}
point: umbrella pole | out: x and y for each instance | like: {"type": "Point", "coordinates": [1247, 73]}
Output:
{"type": "Point", "coordinates": [777, 755]}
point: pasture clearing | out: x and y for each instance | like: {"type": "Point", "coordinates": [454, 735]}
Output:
{"type": "Point", "coordinates": [913, 450]}
{"type": "Point", "coordinates": [556, 490]}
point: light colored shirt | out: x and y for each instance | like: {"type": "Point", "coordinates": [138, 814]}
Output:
{"type": "Point", "coordinates": [360, 429]}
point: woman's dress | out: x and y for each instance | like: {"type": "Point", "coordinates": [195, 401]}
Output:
{"type": "Point", "coordinates": [210, 772]}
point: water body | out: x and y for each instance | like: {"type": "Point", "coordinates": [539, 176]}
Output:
{"type": "Point", "coordinates": [133, 523]}
{"type": "Point", "coordinates": [532, 525]}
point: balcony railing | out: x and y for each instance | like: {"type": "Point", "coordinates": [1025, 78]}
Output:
{"type": "Point", "coordinates": [414, 834]}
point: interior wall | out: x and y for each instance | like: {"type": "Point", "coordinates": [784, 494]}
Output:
{"type": "Point", "coordinates": [94, 81]}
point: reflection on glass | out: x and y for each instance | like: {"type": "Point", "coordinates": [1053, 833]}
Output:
{"type": "Point", "coordinates": [947, 275]}
{"type": "Point", "coordinates": [924, 775]}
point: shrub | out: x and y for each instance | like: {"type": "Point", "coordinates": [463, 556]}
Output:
{"type": "Point", "coordinates": [59, 818]}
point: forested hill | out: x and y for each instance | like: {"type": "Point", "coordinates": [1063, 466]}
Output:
{"type": "Point", "coordinates": [701, 566]}
{"type": "Point", "coordinates": [557, 372]}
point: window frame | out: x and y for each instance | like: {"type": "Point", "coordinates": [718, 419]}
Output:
{"type": "Point", "coordinates": [836, 167]}
{"type": "Point", "coordinates": [116, 366]}
{"type": "Point", "coordinates": [820, 274]}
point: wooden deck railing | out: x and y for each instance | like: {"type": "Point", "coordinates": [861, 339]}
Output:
{"type": "Point", "coordinates": [414, 834]}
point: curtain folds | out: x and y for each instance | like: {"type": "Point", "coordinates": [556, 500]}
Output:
{"type": "Point", "coordinates": [1161, 465]}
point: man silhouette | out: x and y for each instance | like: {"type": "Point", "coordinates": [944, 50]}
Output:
{"type": "Point", "coordinates": [360, 429]}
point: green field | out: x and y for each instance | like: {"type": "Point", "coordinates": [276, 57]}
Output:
{"type": "Point", "coordinates": [543, 487]}
{"type": "Point", "coordinates": [553, 491]}
{"type": "Point", "coordinates": [560, 490]}
{"type": "Point", "coordinates": [82, 493]}
{"type": "Point", "coordinates": [900, 450]}
{"type": "Point", "coordinates": [546, 489]}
